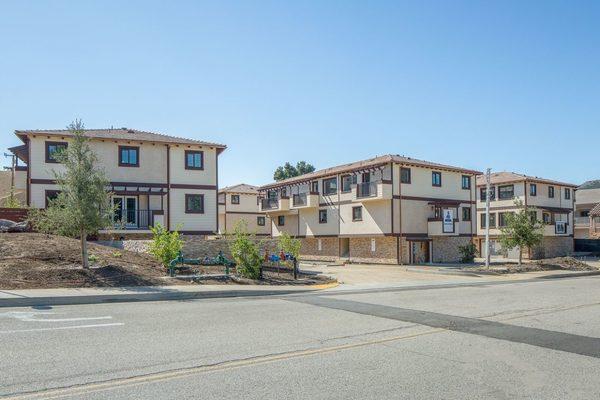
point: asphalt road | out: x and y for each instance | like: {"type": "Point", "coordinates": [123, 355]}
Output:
{"type": "Point", "coordinates": [528, 340]}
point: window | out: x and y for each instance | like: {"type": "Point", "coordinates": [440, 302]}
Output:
{"type": "Point", "coordinates": [492, 220]}
{"type": "Point", "coordinates": [585, 213]}
{"type": "Point", "coordinates": [551, 191]}
{"type": "Point", "coordinates": [346, 183]}
{"type": "Point", "coordinates": [315, 187]}
{"type": "Point", "coordinates": [466, 182]}
{"type": "Point", "coordinates": [466, 213]}
{"type": "Point", "coordinates": [194, 204]}
{"type": "Point", "coordinates": [492, 194]}
{"type": "Point", "coordinates": [532, 189]}
{"type": "Point", "coordinates": [235, 199]}
{"type": "Point", "coordinates": [506, 192]}
{"type": "Point", "coordinates": [436, 178]}
{"type": "Point", "coordinates": [329, 186]}
{"type": "Point", "coordinates": [129, 156]}
{"type": "Point", "coordinates": [547, 218]}
{"type": "Point", "coordinates": [357, 213]}
{"type": "Point", "coordinates": [560, 228]}
{"type": "Point", "coordinates": [567, 194]}
{"type": "Point", "coordinates": [281, 220]}
{"type": "Point", "coordinates": [405, 175]}
{"type": "Point", "coordinates": [194, 159]}
{"type": "Point", "coordinates": [260, 221]}
{"type": "Point", "coordinates": [533, 216]}
{"type": "Point", "coordinates": [322, 216]}
{"type": "Point", "coordinates": [503, 218]}
{"type": "Point", "coordinates": [52, 148]}
{"type": "Point", "coordinates": [51, 195]}
{"type": "Point", "coordinates": [284, 193]}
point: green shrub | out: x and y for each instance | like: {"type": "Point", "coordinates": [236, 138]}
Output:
{"type": "Point", "coordinates": [467, 253]}
{"type": "Point", "coordinates": [289, 245]}
{"type": "Point", "coordinates": [117, 254]}
{"type": "Point", "coordinates": [165, 245]}
{"type": "Point", "coordinates": [93, 258]}
{"type": "Point", "coordinates": [245, 252]}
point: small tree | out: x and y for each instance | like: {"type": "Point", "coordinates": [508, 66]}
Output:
{"type": "Point", "coordinates": [245, 252]}
{"type": "Point", "coordinates": [12, 201]}
{"type": "Point", "coordinates": [165, 245]}
{"type": "Point", "coordinates": [522, 229]}
{"type": "Point", "coordinates": [289, 245]}
{"type": "Point", "coordinates": [467, 253]}
{"type": "Point", "coordinates": [83, 205]}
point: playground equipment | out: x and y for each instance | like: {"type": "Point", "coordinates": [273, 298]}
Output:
{"type": "Point", "coordinates": [179, 262]}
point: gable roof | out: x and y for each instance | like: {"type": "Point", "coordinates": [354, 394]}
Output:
{"type": "Point", "coordinates": [508, 177]}
{"type": "Point", "coordinates": [366, 164]}
{"type": "Point", "coordinates": [121, 134]}
{"type": "Point", "coordinates": [594, 184]}
{"type": "Point", "coordinates": [240, 188]}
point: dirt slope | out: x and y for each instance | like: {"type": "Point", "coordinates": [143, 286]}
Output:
{"type": "Point", "coordinates": [34, 260]}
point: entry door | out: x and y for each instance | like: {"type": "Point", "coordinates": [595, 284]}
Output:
{"type": "Point", "coordinates": [126, 210]}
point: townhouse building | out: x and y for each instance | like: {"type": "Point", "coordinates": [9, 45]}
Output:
{"type": "Point", "coordinates": [388, 209]}
{"type": "Point", "coordinates": [587, 210]}
{"type": "Point", "coordinates": [154, 178]}
{"type": "Point", "coordinates": [553, 203]}
{"type": "Point", "coordinates": [240, 203]}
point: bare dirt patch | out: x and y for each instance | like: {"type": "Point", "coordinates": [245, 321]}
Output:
{"type": "Point", "coordinates": [549, 264]}
{"type": "Point", "coordinates": [35, 260]}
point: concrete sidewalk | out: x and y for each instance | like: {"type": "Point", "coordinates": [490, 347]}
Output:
{"type": "Point", "coordinates": [65, 296]}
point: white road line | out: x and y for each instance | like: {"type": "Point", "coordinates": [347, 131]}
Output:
{"type": "Point", "coordinates": [63, 319]}
{"type": "Point", "coordinates": [64, 328]}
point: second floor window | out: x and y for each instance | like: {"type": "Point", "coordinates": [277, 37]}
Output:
{"type": "Point", "coordinates": [314, 186]}
{"type": "Point", "coordinates": [235, 199]}
{"type": "Point", "coordinates": [357, 213]}
{"type": "Point", "coordinates": [260, 221]}
{"type": "Point", "coordinates": [547, 218]}
{"type": "Point", "coordinates": [567, 194]}
{"type": "Point", "coordinates": [551, 191]}
{"type": "Point", "coordinates": [466, 182]}
{"type": "Point", "coordinates": [466, 213]}
{"type": "Point", "coordinates": [194, 159]}
{"type": "Point", "coordinates": [503, 218]}
{"type": "Point", "coordinates": [506, 192]}
{"type": "Point", "coordinates": [347, 181]}
{"type": "Point", "coordinates": [492, 194]}
{"type": "Point", "coordinates": [129, 156]}
{"type": "Point", "coordinates": [329, 186]}
{"type": "Point", "coordinates": [532, 189]}
{"type": "Point", "coordinates": [436, 178]}
{"type": "Point", "coordinates": [52, 148]}
{"type": "Point", "coordinates": [492, 220]}
{"type": "Point", "coordinates": [322, 216]}
{"type": "Point", "coordinates": [281, 220]}
{"type": "Point", "coordinates": [405, 175]}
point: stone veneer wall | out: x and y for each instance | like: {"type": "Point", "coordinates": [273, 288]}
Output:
{"type": "Point", "coordinates": [329, 249]}
{"type": "Point", "coordinates": [557, 246]}
{"type": "Point", "coordinates": [197, 246]}
{"type": "Point", "coordinates": [385, 250]}
{"type": "Point", "coordinates": [445, 248]}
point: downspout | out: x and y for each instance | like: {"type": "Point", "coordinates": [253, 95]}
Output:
{"type": "Point", "coordinates": [168, 187]}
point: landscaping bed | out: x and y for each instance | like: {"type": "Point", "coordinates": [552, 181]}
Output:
{"type": "Point", "coordinates": [549, 264]}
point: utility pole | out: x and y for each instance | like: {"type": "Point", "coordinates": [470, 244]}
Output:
{"type": "Point", "coordinates": [13, 165]}
{"type": "Point", "coordinates": [487, 217]}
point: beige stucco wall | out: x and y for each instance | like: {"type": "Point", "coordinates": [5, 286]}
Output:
{"type": "Point", "coordinates": [206, 222]}
{"type": "Point", "coordinates": [291, 224]}
{"type": "Point", "coordinates": [179, 174]}
{"type": "Point", "coordinates": [376, 218]}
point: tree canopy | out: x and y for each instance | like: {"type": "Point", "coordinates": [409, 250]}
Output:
{"type": "Point", "coordinates": [289, 171]}
{"type": "Point", "coordinates": [522, 229]}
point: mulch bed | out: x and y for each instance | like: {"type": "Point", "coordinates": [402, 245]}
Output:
{"type": "Point", "coordinates": [548, 264]}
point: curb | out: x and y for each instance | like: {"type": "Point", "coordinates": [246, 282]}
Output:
{"type": "Point", "coordinates": [569, 275]}
{"type": "Point", "coordinates": [141, 297]}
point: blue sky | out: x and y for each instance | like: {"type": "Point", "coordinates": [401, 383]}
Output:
{"type": "Point", "coordinates": [508, 85]}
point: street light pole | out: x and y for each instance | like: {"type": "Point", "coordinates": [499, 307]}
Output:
{"type": "Point", "coordinates": [487, 217]}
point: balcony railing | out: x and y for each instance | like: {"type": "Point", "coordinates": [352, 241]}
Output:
{"type": "Point", "coordinates": [269, 204]}
{"type": "Point", "coordinates": [299, 200]}
{"type": "Point", "coordinates": [132, 219]}
{"type": "Point", "coordinates": [582, 221]}
{"type": "Point", "coordinates": [366, 189]}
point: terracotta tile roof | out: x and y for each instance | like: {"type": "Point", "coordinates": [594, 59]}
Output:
{"type": "Point", "coordinates": [121, 134]}
{"type": "Point", "coordinates": [507, 177]}
{"type": "Point", "coordinates": [240, 188]}
{"type": "Point", "coordinates": [594, 212]}
{"type": "Point", "coordinates": [365, 164]}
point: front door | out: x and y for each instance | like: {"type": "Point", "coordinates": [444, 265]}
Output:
{"type": "Point", "coordinates": [126, 211]}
